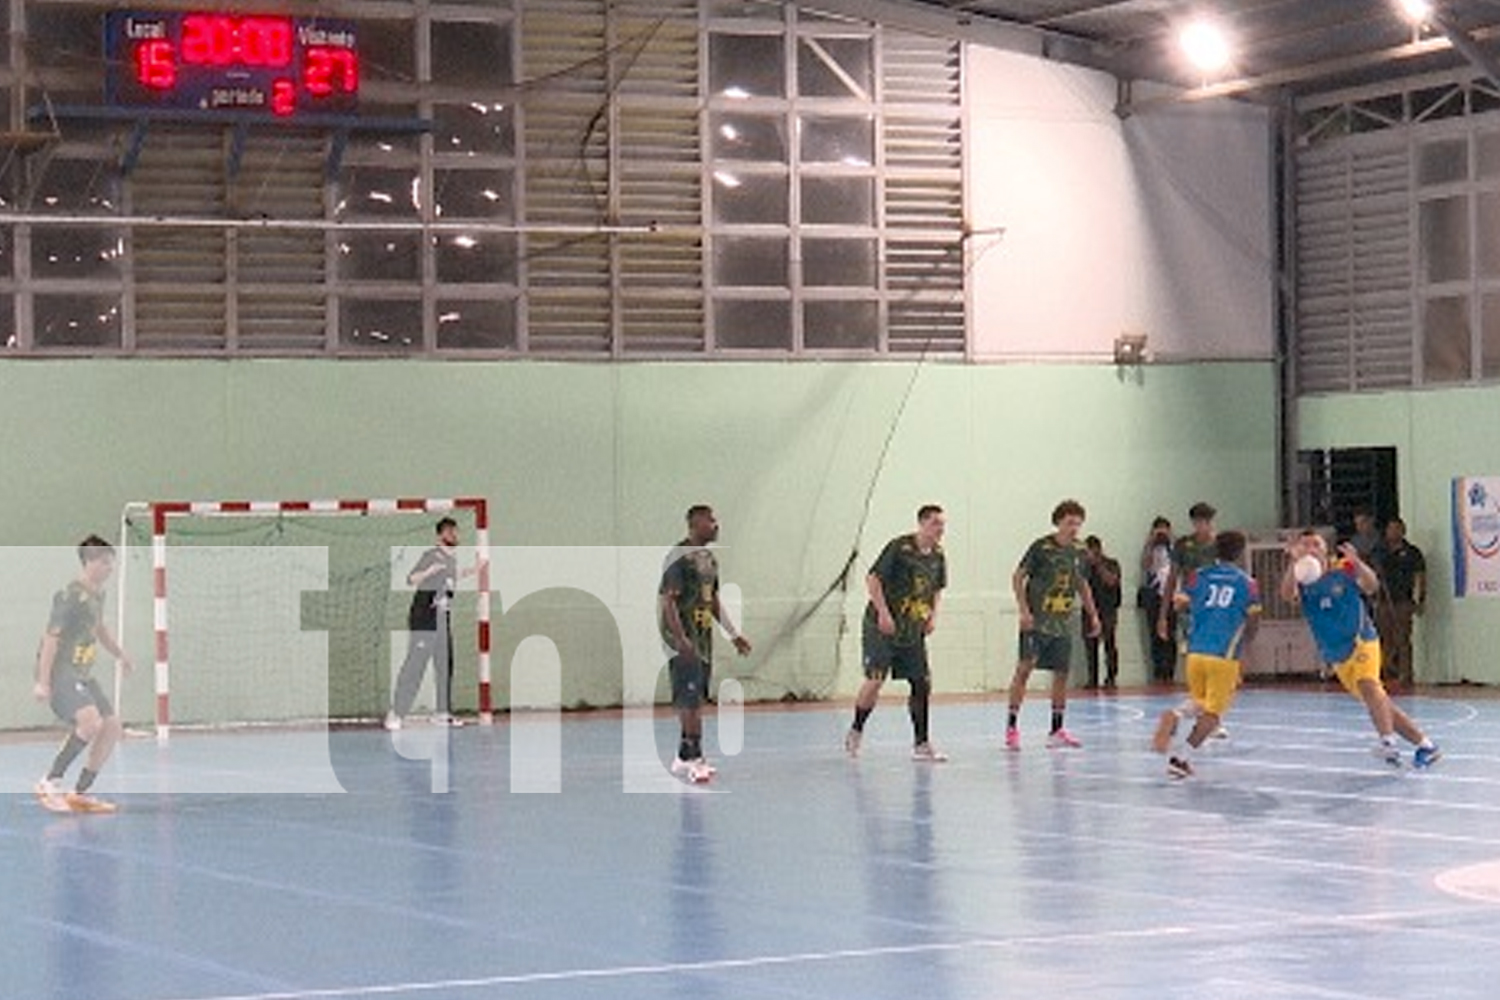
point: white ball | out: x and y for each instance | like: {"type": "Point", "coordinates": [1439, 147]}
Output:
{"type": "Point", "coordinates": [1307, 569]}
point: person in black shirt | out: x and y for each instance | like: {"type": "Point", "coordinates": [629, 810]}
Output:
{"type": "Point", "coordinates": [688, 606]}
{"type": "Point", "coordinates": [1103, 575]}
{"type": "Point", "coordinates": [1403, 593]}
{"type": "Point", "coordinates": [435, 578]}
{"type": "Point", "coordinates": [904, 585]}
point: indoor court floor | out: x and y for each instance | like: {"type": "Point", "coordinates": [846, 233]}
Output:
{"type": "Point", "coordinates": [1294, 865]}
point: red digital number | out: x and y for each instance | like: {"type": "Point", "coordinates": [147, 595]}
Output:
{"type": "Point", "coordinates": [330, 70]}
{"type": "Point", "coordinates": [283, 96]}
{"type": "Point", "coordinates": [221, 40]}
{"type": "Point", "coordinates": [155, 66]}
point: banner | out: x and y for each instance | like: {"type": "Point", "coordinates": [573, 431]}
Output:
{"type": "Point", "coordinates": [1476, 536]}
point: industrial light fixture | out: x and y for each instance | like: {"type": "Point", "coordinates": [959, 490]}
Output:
{"type": "Point", "coordinates": [1418, 12]}
{"type": "Point", "coordinates": [1206, 46]}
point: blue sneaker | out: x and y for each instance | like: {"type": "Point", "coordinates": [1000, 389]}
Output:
{"type": "Point", "coordinates": [1426, 756]}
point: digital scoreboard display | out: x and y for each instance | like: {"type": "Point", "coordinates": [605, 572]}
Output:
{"type": "Point", "coordinates": [245, 63]}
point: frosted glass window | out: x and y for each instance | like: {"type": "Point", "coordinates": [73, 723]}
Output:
{"type": "Point", "coordinates": [841, 325]}
{"type": "Point", "coordinates": [847, 141]}
{"type": "Point", "coordinates": [471, 54]}
{"type": "Point", "coordinates": [377, 192]}
{"type": "Point", "coordinates": [838, 263]}
{"type": "Point", "coordinates": [1487, 222]}
{"type": "Point", "coordinates": [748, 138]}
{"type": "Point", "coordinates": [475, 129]}
{"type": "Point", "coordinates": [1446, 340]}
{"type": "Point", "coordinates": [387, 256]}
{"type": "Point", "coordinates": [474, 194]}
{"type": "Point", "coordinates": [386, 51]}
{"type": "Point", "coordinates": [476, 324]}
{"type": "Point", "coordinates": [1445, 239]}
{"type": "Point", "coordinates": [838, 201]}
{"type": "Point", "coordinates": [1443, 162]}
{"type": "Point", "coordinates": [750, 198]}
{"type": "Point", "coordinates": [753, 324]}
{"type": "Point", "coordinates": [1487, 150]}
{"type": "Point", "coordinates": [377, 325]}
{"type": "Point", "coordinates": [476, 258]}
{"type": "Point", "coordinates": [75, 320]}
{"type": "Point", "coordinates": [836, 67]}
{"type": "Point", "coordinates": [743, 66]}
{"type": "Point", "coordinates": [1489, 361]}
{"type": "Point", "coordinates": [75, 252]}
{"type": "Point", "coordinates": [744, 261]}
{"type": "Point", "coordinates": [90, 186]}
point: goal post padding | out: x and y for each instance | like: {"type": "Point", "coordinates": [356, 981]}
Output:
{"type": "Point", "coordinates": [292, 611]}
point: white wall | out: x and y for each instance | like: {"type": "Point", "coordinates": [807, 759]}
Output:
{"type": "Point", "coordinates": [1161, 223]}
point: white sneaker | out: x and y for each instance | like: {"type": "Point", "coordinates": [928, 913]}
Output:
{"type": "Point", "coordinates": [447, 719]}
{"type": "Point", "coordinates": [52, 798]}
{"type": "Point", "coordinates": [697, 771]}
{"type": "Point", "coordinates": [1219, 733]}
{"type": "Point", "coordinates": [928, 753]}
{"type": "Point", "coordinates": [392, 721]}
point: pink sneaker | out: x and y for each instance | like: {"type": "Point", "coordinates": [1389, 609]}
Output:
{"type": "Point", "coordinates": [1063, 738]}
{"type": "Point", "coordinates": [1012, 738]}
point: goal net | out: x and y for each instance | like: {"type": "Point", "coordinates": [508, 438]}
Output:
{"type": "Point", "coordinates": [291, 611]}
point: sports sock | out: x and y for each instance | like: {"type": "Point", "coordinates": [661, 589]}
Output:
{"type": "Point", "coordinates": [918, 706]}
{"type": "Point", "coordinates": [1057, 719]}
{"type": "Point", "coordinates": [85, 780]}
{"type": "Point", "coordinates": [1012, 718]}
{"type": "Point", "coordinates": [861, 716]}
{"type": "Point", "coordinates": [71, 748]}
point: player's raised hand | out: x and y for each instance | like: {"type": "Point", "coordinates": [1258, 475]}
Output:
{"type": "Point", "coordinates": [742, 645]}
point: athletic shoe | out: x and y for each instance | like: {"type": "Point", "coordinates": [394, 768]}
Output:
{"type": "Point", "coordinates": [1063, 738]}
{"type": "Point", "coordinates": [52, 798]}
{"type": "Point", "coordinates": [1219, 734]}
{"type": "Point", "coordinates": [392, 721]}
{"type": "Point", "coordinates": [445, 719]}
{"type": "Point", "coordinates": [1012, 738]}
{"type": "Point", "coordinates": [696, 771]}
{"type": "Point", "coordinates": [929, 753]}
{"type": "Point", "coordinates": [1179, 768]}
{"type": "Point", "coordinates": [1426, 756]}
{"type": "Point", "coordinates": [1388, 752]}
{"type": "Point", "coordinates": [1166, 728]}
{"type": "Point", "coordinates": [852, 739]}
{"type": "Point", "coordinates": [82, 802]}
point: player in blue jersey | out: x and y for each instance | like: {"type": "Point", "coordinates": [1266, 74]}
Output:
{"type": "Point", "coordinates": [1224, 605]}
{"type": "Point", "coordinates": [1346, 639]}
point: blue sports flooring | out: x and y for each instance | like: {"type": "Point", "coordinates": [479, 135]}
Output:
{"type": "Point", "coordinates": [1294, 865]}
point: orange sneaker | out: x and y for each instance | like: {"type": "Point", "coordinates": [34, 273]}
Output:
{"type": "Point", "coordinates": [82, 802]}
{"type": "Point", "coordinates": [51, 797]}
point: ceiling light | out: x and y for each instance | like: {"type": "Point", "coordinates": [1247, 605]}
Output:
{"type": "Point", "coordinates": [1418, 12]}
{"type": "Point", "coordinates": [1205, 46]}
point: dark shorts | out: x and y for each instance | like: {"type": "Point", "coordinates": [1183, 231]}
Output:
{"type": "Point", "coordinates": [689, 675]}
{"type": "Point", "coordinates": [1047, 652]}
{"type": "Point", "coordinates": [71, 692]}
{"type": "Point", "coordinates": [884, 657]}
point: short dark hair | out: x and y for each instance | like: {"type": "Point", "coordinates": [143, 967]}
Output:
{"type": "Point", "coordinates": [1398, 521]}
{"type": "Point", "coordinates": [446, 522]}
{"type": "Point", "coordinates": [1068, 508]}
{"type": "Point", "coordinates": [1093, 542]}
{"type": "Point", "coordinates": [1161, 522]}
{"type": "Point", "coordinates": [928, 510]}
{"type": "Point", "coordinates": [698, 510]}
{"type": "Point", "coordinates": [94, 547]}
{"type": "Point", "coordinates": [1201, 511]}
{"type": "Point", "coordinates": [1229, 545]}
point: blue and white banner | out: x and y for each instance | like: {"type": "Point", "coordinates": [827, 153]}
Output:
{"type": "Point", "coordinates": [1476, 536]}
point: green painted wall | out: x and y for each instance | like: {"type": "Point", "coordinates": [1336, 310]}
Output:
{"type": "Point", "coordinates": [599, 455]}
{"type": "Point", "coordinates": [1438, 435]}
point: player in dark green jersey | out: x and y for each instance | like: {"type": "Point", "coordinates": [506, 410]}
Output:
{"type": "Point", "coordinates": [1048, 581]}
{"type": "Point", "coordinates": [65, 680]}
{"type": "Point", "coordinates": [904, 585]}
{"type": "Point", "coordinates": [1190, 553]}
{"type": "Point", "coordinates": [688, 607]}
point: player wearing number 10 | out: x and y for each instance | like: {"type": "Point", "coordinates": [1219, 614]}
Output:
{"type": "Point", "coordinates": [1223, 602]}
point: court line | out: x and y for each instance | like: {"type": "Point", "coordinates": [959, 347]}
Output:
{"type": "Point", "coordinates": [1234, 930]}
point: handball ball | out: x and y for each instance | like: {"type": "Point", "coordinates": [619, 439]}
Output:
{"type": "Point", "coordinates": [1307, 569]}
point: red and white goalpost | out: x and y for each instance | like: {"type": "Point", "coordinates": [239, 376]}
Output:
{"type": "Point", "coordinates": [162, 514]}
